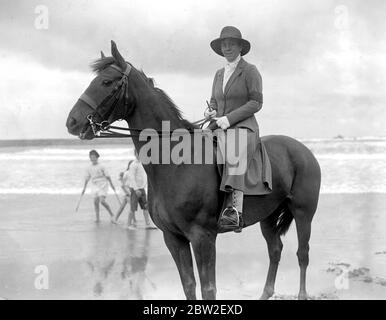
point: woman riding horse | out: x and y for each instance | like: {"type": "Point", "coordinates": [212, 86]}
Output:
{"type": "Point", "coordinates": [185, 201]}
{"type": "Point", "coordinates": [236, 97]}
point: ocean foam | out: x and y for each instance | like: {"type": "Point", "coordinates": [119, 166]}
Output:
{"type": "Point", "coordinates": [48, 191]}
{"type": "Point", "coordinates": [351, 156]}
{"type": "Point", "coordinates": [127, 155]}
{"type": "Point", "coordinates": [75, 191]}
{"type": "Point", "coordinates": [353, 167]}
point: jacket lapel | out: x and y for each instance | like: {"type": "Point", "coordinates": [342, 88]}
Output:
{"type": "Point", "coordinates": [235, 74]}
{"type": "Point", "coordinates": [221, 78]}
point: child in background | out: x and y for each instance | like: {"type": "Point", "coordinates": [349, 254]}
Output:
{"type": "Point", "coordinates": [138, 181]}
{"type": "Point", "coordinates": [100, 180]}
{"type": "Point", "coordinates": [126, 187]}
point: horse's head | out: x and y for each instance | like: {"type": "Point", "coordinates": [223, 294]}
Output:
{"type": "Point", "coordinates": [107, 98]}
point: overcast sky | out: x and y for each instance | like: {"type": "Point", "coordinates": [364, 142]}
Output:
{"type": "Point", "coordinates": [322, 61]}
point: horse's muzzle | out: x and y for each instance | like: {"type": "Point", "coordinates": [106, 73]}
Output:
{"type": "Point", "coordinates": [72, 126]}
{"type": "Point", "coordinates": [87, 132]}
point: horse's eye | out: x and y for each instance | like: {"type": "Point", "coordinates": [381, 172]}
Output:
{"type": "Point", "coordinates": [107, 82]}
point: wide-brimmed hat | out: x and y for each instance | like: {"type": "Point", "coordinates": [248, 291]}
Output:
{"type": "Point", "coordinates": [233, 33]}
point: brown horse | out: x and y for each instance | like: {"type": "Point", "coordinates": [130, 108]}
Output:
{"type": "Point", "coordinates": [184, 199]}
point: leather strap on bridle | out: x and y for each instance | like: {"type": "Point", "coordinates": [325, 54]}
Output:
{"type": "Point", "coordinates": [85, 98]}
{"type": "Point", "coordinates": [105, 130]}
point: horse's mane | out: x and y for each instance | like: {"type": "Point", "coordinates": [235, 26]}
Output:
{"type": "Point", "coordinates": [101, 64]}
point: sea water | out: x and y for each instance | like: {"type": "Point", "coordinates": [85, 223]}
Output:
{"type": "Point", "coordinates": [348, 165]}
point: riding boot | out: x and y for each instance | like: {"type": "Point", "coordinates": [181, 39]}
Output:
{"type": "Point", "coordinates": [231, 217]}
{"type": "Point", "coordinates": [238, 197]}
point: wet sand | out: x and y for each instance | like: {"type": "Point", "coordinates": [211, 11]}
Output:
{"type": "Point", "coordinates": [105, 261]}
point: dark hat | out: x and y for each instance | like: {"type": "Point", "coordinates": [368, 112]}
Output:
{"type": "Point", "coordinates": [233, 33]}
{"type": "Point", "coordinates": [94, 152]}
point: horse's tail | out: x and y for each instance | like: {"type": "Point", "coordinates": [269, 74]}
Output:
{"type": "Point", "coordinates": [281, 218]}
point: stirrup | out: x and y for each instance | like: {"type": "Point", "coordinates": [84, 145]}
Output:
{"type": "Point", "coordinates": [230, 220]}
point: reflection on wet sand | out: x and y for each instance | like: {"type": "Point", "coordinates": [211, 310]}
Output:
{"type": "Point", "coordinates": [123, 254]}
{"type": "Point", "coordinates": [88, 261]}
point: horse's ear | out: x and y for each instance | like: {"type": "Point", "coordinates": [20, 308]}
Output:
{"type": "Point", "coordinates": [117, 56]}
{"type": "Point", "coordinates": [102, 55]}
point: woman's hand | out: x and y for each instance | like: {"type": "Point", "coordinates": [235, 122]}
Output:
{"type": "Point", "coordinates": [209, 113]}
{"type": "Point", "coordinates": [223, 123]}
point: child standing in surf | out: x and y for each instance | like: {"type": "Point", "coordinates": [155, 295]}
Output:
{"type": "Point", "coordinates": [100, 181]}
{"type": "Point", "coordinates": [128, 190]}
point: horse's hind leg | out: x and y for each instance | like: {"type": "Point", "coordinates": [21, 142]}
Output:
{"type": "Point", "coordinates": [275, 247]}
{"type": "Point", "coordinates": [180, 249]}
{"type": "Point", "coordinates": [204, 248]}
{"type": "Point", "coordinates": [303, 227]}
{"type": "Point", "coordinates": [303, 204]}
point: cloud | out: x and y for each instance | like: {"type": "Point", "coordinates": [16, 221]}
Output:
{"type": "Point", "coordinates": [174, 36]}
{"type": "Point", "coordinates": [35, 100]}
{"type": "Point", "coordinates": [316, 73]}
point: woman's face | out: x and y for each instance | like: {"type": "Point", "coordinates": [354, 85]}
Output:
{"type": "Point", "coordinates": [230, 48]}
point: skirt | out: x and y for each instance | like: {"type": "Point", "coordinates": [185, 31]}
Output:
{"type": "Point", "coordinates": [244, 161]}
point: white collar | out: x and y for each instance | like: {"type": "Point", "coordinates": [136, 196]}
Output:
{"type": "Point", "coordinates": [233, 64]}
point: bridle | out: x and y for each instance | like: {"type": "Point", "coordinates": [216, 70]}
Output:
{"type": "Point", "coordinates": [120, 92]}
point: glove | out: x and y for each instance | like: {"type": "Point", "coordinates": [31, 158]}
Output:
{"type": "Point", "coordinates": [209, 114]}
{"type": "Point", "coordinates": [223, 123]}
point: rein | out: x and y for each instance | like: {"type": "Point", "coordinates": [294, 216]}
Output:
{"type": "Point", "coordinates": [119, 92]}
{"type": "Point", "coordinates": [105, 130]}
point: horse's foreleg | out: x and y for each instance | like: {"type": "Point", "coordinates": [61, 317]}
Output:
{"type": "Point", "coordinates": [303, 228]}
{"type": "Point", "coordinates": [180, 249]}
{"type": "Point", "coordinates": [204, 248]}
{"type": "Point", "coordinates": [275, 247]}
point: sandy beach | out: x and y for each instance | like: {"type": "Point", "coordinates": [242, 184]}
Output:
{"type": "Point", "coordinates": [89, 261]}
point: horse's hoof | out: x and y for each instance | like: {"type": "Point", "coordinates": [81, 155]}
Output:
{"type": "Point", "coordinates": [302, 296]}
{"type": "Point", "coordinates": [98, 289]}
{"type": "Point", "coordinates": [266, 295]}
